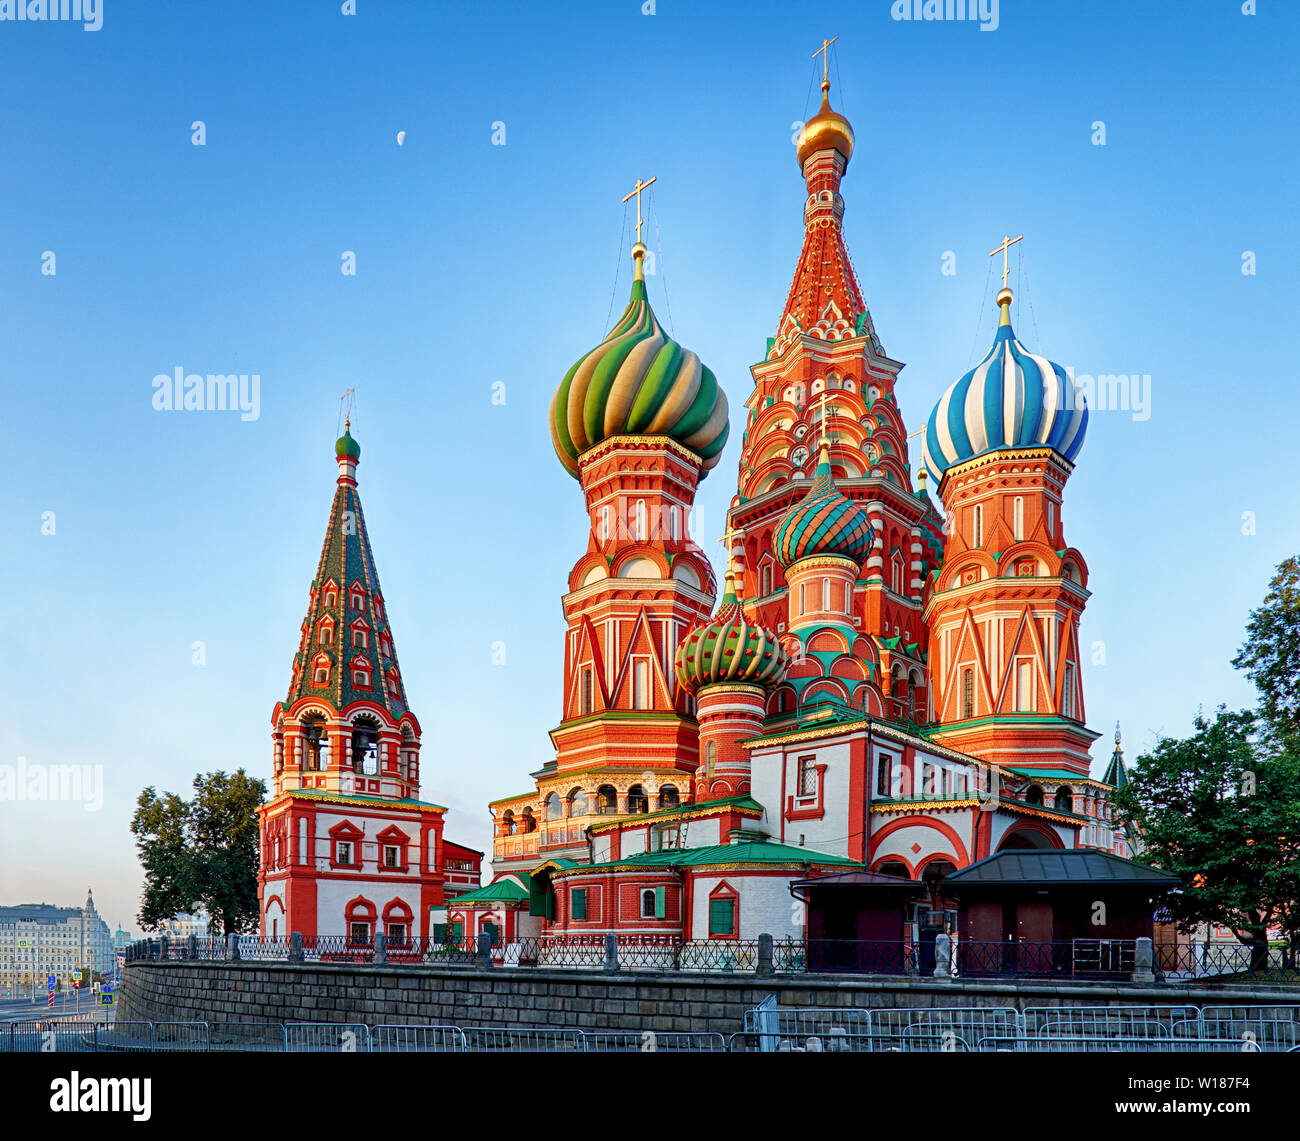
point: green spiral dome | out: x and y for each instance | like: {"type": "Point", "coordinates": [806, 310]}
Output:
{"type": "Point", "coordinates": [639, 382]}
{"type": "Point", "coordinates": [729, 647]}
{"type": "Point", "coordinates": [824, 522]}
{"type": "Point", "coordinates": [345, 445]}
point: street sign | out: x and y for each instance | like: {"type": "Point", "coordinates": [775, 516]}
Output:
{"type": "Point", "coordinates": [106, 998]}
{"type": "Point", "coordinates": [77, 975]}
{"type": "Point", "coordinates": [49, 983]}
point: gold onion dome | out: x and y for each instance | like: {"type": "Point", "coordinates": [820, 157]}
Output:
{"type": "Point", "coordinates": [729, 648]}
{"type": "Point", "coordinates": [825, 130]}
{"type": "Point", "coordinates": [639, 382]}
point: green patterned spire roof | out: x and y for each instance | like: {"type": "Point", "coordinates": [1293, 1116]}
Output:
{"type": "Point", "coordinates": [639, 382]}
{"type": "Point", "coordinates": [346, 592]}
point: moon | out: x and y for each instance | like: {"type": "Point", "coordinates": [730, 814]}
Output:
{"type": "Point", "coordinates": [401, 138]}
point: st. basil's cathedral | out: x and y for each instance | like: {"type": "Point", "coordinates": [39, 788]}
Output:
{"type": "Point", "coordinates": [887, 693]}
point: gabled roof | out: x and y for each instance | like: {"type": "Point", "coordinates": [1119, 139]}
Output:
{"type": "Point", "coordinates": [507, 889]}
{"type": "Point", "coordinates": [1077, 867]}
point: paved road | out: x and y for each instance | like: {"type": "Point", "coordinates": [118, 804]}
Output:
{"type": "Point", "coordinates": [21, 1009]}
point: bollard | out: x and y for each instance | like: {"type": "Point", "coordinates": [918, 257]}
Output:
{"type": "Point", "coordinates": [165, 944]}
{"type": "Point", "coordinates": [1143, 958]}
{"type": "Point", "coordinates": [484, 950]}
{"type": "Point", "coordinates": [942, 957]}
{"type": "Point", "coordinates": [764, 968]}
{"type": "Point", "coordinates": [295, 947]}
{"type": "Point", "coordinates": [611, 951]}
{"type": "Point", "coordinates": [232, 947]}
{"type": "Point", "coordinates": [381, 947]}
{"type": "Point", "coordinates": [191, 947]}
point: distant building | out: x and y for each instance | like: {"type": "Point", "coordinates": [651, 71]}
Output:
{"type": "Point", "coordinates": [38, 940]}
{"type": "Point", "coordinates": [181, 927]}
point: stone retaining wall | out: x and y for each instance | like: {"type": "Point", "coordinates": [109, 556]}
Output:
{"type": "Point", "coordinates": [626, 1000]}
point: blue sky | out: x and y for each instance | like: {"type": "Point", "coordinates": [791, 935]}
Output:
{"type": "Point", "coordinates": [479, 264]}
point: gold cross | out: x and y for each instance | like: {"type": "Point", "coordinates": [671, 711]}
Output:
{"type": "Point", "coordinates": [1007, 242]}
{"type": "Point", "coordinates": [346, 401]}
{"type": "Point", "coordinates": [825, 411]}
{"type": "Point", "coordinates": [640, 186]}
{"type": "Point", "coordinates": [824, 52]}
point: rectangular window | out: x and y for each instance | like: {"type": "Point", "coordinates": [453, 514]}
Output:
{"type": "Point", "coordinates": [803, 596]}
{"type": "Point", "coordinates": [826, 594]}
{"type": "Point", "coordinates": [884, 775]}
{"type": "Point", "coordinates": [848, 598]}
{"type": "Point", "coordinates": [967, 694]}
{"type": "Point", "coordinates": [766, 588]}
{"type": "Point", "coordinates": [345, 852]}
{"type": "Point", "coordinates": [722, 917]}
{"type": "Point", "coordinates": [604, 524]}
{"type": "Point", "coordinates": [807, 776]}
{"type": "Point", "coordinates": [1025, 687]}
{"type": "Point", "coordinates": [1018, 518]}
{"type": "Point", "coordinates": [976, 525]}
{"type": "Point", "coordinates": [578, 901]}
{"type": "Point", "coordinates": [390, 856]}
{"type": "Point", "coordinates": [586, 692]}
{"type": "Point", "coordinates": [641, 685]}
{"type": "Point", "coordinates": [397, 932]}
{"type": "Point", "coordinates": [652, 903]}
{"type": "Point", "coordinates": [1067, 691]}
{"type": "Point", "coordinates": [1051, 521]}
{"type": "Point", "coordinates": [360, 932]}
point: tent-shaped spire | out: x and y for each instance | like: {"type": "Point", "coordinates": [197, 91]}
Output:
{"type": "Point", "coordinates": [346, 653]}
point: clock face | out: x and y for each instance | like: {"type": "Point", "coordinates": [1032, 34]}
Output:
{"type": "Point", "coordinates": [799, 456]}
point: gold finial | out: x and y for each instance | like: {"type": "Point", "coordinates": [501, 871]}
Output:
{"type": "Point", "coordinates": [728, 540]}
{"type": "Point", "coordinates": [920, 476]}
{"type": "Point", "coordinates": [825, 53]}
{"type": "Point", "coordinates": [827, 409]}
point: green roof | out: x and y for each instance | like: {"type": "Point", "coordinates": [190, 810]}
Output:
{"type": "Point", "coordinates": [1049, 774]}
{"type": "Point", "coordinates": [697, 809]}
{"type": "Point", "coordinates": [330, 794]}
{"type": "Point", "coordinates": [743, 852]}
{"type": "Point", "coordinates": [504, 890]}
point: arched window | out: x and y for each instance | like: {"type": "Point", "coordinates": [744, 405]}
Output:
{"type": "Point", "coordinates": [641, 684]}
{"type": "Point", "coordinates": [1064, 799]}
{"type": "Point", "coordinates": [527, 821]}
{"type": "Point", "coordinates": [967, 694]}
{"type": "Point", "coordinates": [893, 868]}
{"type": "Point", "coordinates": [365, 746]}
{"type": "Point", "coordinates": [606, 800]}
{"type": "Point", "coordinates": [1018, 517]}
{"type": "Point", "coordinates": [325, 636]}
{"type": "Point", "coordinates": [321, 670]}
{"type": "Point", "coordinates": [710, 758]}
{"type": "Point", "coordinates": [674, 522]}
{"type": "Point", "coordinates": [358, 600]}
{"type": "Point", "coordinates": [642, 527]}
{"type": "Point", "coordinates": [578, 803]}
{"type": "Point", "coordinates": [507, 823]}
{"type": "Point", "coordinates": [803, 594]}
{"type": "Point", "coordinates": [586, 692]}
{"type": "Point", "coordinates": [315, 744]}
{"type": "Point", "coordinates": [360, 636]}
{"type": "Point", "coordinates": [976, 525]}
{"type": "Point", "coordinates": [1034, 795]}
{"type": "Point", "coordinates": [554, 808]}
{"type": "Point", "coordinates": [826, 594]}
{"type": "Point", "coordinates": [604, 524]}
{"type": "Point", "coordinates": [765, 587]}
{"type": "Point", "coordinates": [637, 801]}
{"type": "Point", "coordinates": [848, 598]}
{"type": "Point", "coordinates": [668, 796]}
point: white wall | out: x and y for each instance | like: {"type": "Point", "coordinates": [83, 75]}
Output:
{"type": "Point", "coordinates": [766, 905]}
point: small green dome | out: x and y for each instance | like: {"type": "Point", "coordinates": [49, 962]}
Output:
{"type": "Point", "coordinates": [824, 522]}
{"type": "Point", "coordinates": [729, 647]}
{"type": "Point", "coordinates": [347, 446]}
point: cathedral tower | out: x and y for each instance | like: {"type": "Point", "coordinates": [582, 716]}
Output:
{"type": "Point", "coordinates": [826, 374]}
{"type": "Point", "coordinates": [346, 845]}
{"type": "Point", "coordinates": [1004, 612]}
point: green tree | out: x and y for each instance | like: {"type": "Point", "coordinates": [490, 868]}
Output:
{"type": "Point", "coordinates": [202, 852]}
{"type": "Point", "coordinates": [1270, 656]}
{"type": "Point", "coordinates": [1223, 814]}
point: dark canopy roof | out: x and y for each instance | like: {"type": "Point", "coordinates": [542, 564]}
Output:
{"type": "Point", "coordinates": [862, 879]}
{"type": "Point", "coordinates": [1079, 867]}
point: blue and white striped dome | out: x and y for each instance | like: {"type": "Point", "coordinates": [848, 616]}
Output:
{"type": "Point", "coordinates": [1011, 399]}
